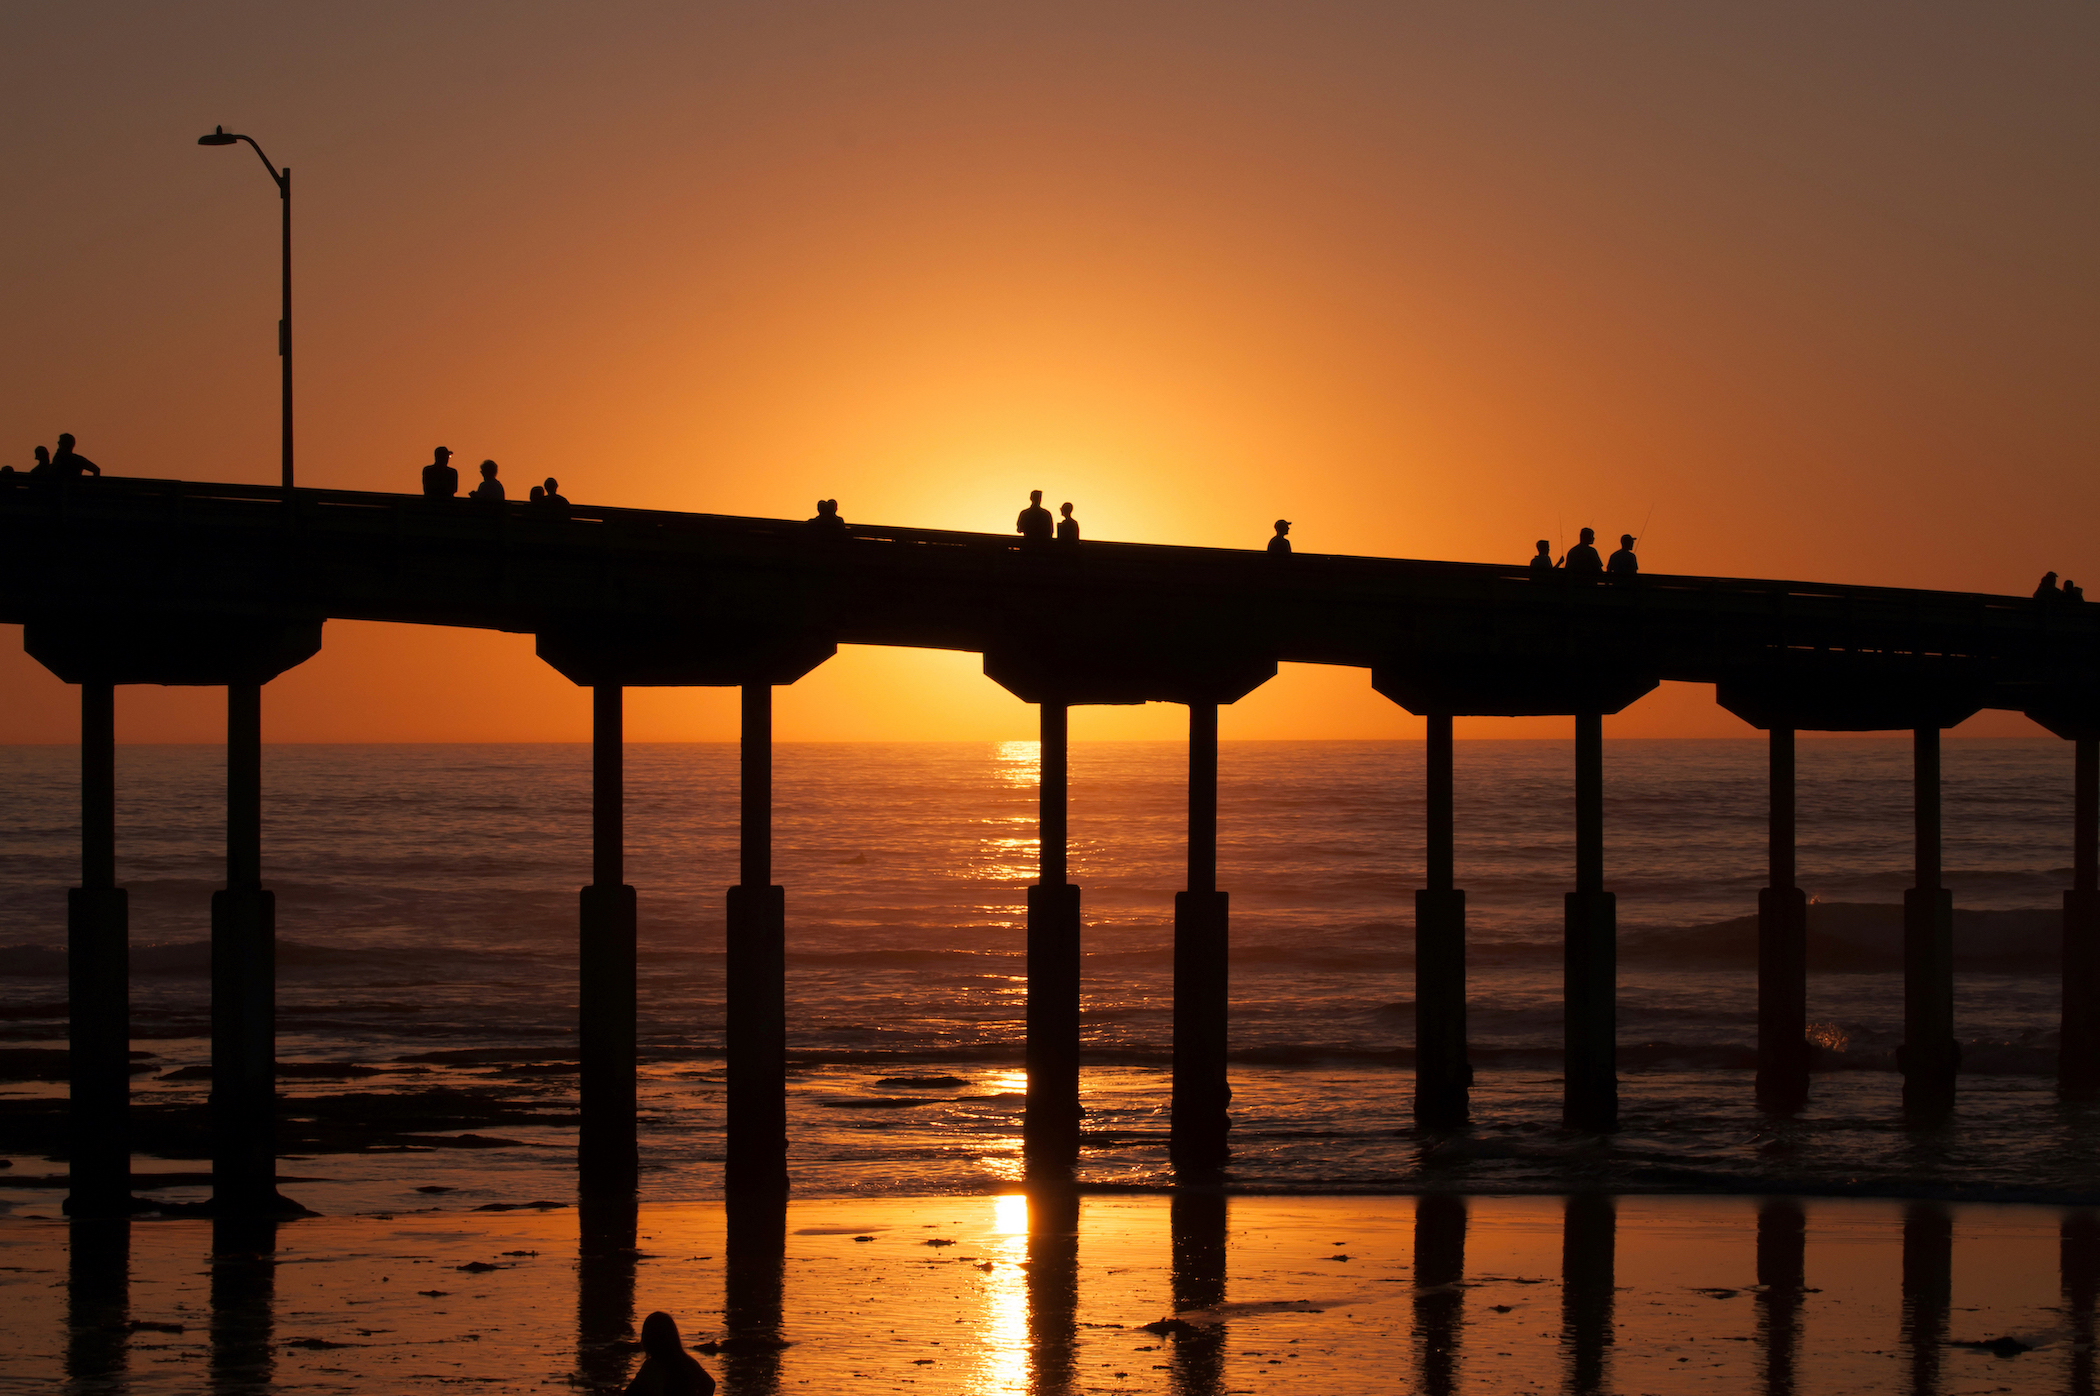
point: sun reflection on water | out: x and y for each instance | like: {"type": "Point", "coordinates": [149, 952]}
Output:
{"type": "Point", "coordinates": [1015, 763]}
{"type": "Point", "coordinates": [1005, 1300]}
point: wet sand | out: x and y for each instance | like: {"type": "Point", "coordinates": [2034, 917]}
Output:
{"type": "Point", "coordinates": [993, 1294]}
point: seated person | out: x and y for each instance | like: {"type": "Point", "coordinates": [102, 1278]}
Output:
{"type": "Point", "coordinates": [667, 1368]}
{"type": "Point", "coordinates": [827, 520]}
{"type": "Point", "coordinates": [490, 490]}
{"type": "Point", "coordinates": [1582, 558]}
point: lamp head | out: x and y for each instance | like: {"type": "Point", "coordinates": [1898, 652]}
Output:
{"type": "Point", "coordinates": [218, 136]}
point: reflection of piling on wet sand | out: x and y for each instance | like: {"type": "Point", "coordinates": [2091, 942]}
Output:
{"type": "Point", "coordinates": [1053, 1287]}
{"type": "Point", "coordinates": [1928, 1290]}
{"type": "Point", "coordinates": [1198, 1228]}
{"type": "Point", "coordinates": [1782, 1245]}
{"type": "Point", "coordinates": [1589, 1238]}
{"type": "Point", "coordinates": [1440, 1299]}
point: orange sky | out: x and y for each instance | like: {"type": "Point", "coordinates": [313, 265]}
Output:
{"type": "Point", "coordinates": [1814, 284]}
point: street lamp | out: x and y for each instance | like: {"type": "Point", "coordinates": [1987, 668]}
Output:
{"type": "Point", "coordinates": [283, 178]}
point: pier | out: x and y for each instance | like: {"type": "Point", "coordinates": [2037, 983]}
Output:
{"type": "Point", "coordinates": [137, 581]}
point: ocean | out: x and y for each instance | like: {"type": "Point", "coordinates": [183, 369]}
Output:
{"type": "Point", "coordinates": [427, 984]}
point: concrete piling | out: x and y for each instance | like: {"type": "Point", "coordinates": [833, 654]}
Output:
{"type": "Point", "coordinates": [1591, 967]}
{"type": "Point", "coordinates": [98, 980]}
{"type": "Point", "coordinates": [244, 983]}
{"type": "Point", "coordinates": [606, 1158]}
{"type": "Point", "coordinates": [1443, 1076]}
{"type": "Point", "coordinates": [757, 973]}
{"type": "Point", "coordinates": [1050, 1125]}
{"type": "Point", "coordinates": [1782, 951]}
{"type": "Point", "coordinates": [1202, 940]}
{"type": "Point", "coordinates": [1929, 1057]}
{"type": "Point", "coordinates": [2078, 1059]}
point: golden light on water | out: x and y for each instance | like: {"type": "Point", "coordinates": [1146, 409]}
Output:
{"type": "Point", "coordinates": [1005, 1299]}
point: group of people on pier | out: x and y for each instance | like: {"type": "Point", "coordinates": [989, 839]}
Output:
{"type": "Point", "coordinates": [65, 467]}
{"type": "Point", "coordinates": [1582, 559]}
{"type": "Point", "coordinates": [441, 481]}
{"type": "Point", "coordinates": [2049, 591]}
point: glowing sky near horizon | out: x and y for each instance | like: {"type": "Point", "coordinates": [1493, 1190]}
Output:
{"type": "Point", "coordinates": [1808, 287]}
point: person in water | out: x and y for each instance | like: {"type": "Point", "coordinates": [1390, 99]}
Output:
{"type": "Point", "coordinates": [1034, 523]}
{"type": "Point", "coordinates": [1583, 556]}
{"type": "Point", "coordinates": [1623, 560]}
{"type": "Point", "coordinates": [667, 1368]}
{"type": "Point", "coordinates": [440, 480]}
{"type": "Point", "coordinates": [490, 490]}
{"type": "Point", "coordinates": [1281, 543]}
{"type": "Point", "coordinates": [1542, 560]}
{"type": "Point", "coordinates": [1067, 527]}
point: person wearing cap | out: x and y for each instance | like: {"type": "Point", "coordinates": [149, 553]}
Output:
{"type": "Point", "coordinates": [1623, 560]}
{"type": "Point", "coordinates": [1280, 543]}
{"type": "Point", "coordinates": [440, 481]}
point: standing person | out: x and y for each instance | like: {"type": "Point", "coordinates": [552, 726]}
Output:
{"type": "Point", "coordinates": [1623, 560]}
{"type": "Point", "coordinates": [69, 465]}
{"type": "Point", "coordinates": [1067, 527]}
{"type": "Point", "coordinates": [1583, 556]}
{"type": "Point", "coordinates": [667, 1368]}
{"type": "Point", "coordinates": [490, 490]}
{"type": "Point", "coordinates": [554, 494]}
{"type": "Point", "coordinates": [1281, 543]}
{"type": "Point", "coordinates": [2045, 592]}
{"type": "Point", "coordinates": [1034, 523]}
{"type": "Point", "coordinates": [42, 469]}
{"type": "Point", "coordinates": [1542, 560]}
{"type": "Point", "coordinates": [440, 481]}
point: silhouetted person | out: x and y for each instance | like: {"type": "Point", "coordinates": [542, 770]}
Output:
{"type": "Point", "coordinates": [2047, 590]}
{"type": "Point", "coordinates": [2073, 592]}
{"type": "Point", "coordinates": [538, 497]}
{"type": "Point", "coordinates": [69, 465]}
{"type": "Point", "coordinates": [1583, 556]}
{"type": "Point", "coordinates": [827, 520]}
{"type": "Point", "coordinates": [1034, 524]}
{"type": "Point", "coordinates": [1281, 543]}
{"type": "Point", "coordinates": [1067, 527]}
{"type": "Point", "coordinates": [440, 481]}
{"type": "Point", "coordinates": [1542, 560]}
{"type": "Point", "coordinates": [490, 490]}
{"type": "Point", "coordinates": [554, 494]}
{"type": "Point", "coordinates": [1623, 560]}
{"type": "Point", "coordinates": [667, 1368]}
{"type": "Point", "coordinates": [42, 469]}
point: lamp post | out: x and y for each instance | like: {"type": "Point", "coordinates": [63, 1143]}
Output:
{"type": "Point", "coordinates": [283, 179]}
